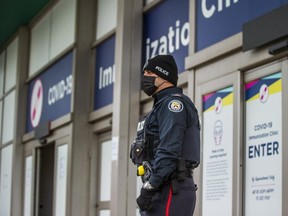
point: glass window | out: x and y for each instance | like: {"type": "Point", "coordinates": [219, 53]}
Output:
{"type": "Point", "coordinates": [5, 180]}
{"type": "Point", "coordinates": [2, 71]}
{"type": "Point", "coordinates": [8, 74]}
{"type": "Point", "coordinates": [106, 17]}
{"type": "Point", "coordinates": [52, 34]}
{"type": "Point", "coordinates": [63, 26]}
{"type": "Point", "coordinates": [39, 50]}
{"type": "Point", "coordinates": [8, 117]}
{"type": "Point", "coordinates": [105, 175]}
{"type": "Point", "coordinates": [11, 65]}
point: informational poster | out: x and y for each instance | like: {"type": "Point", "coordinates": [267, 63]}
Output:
{"type": "Point", "coordinates": [217, 152]}
{"type": "Point", "coordinates": [49, 94]}
{"type": "Point", "coordinates": [28, 186]}
{"type": "Point", "coordinates": [263, 170]}
{"type": "Point", "coordinates": [61, 182]}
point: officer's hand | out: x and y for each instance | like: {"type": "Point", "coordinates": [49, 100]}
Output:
{"type": "Point", "coordinates": [144, 201]}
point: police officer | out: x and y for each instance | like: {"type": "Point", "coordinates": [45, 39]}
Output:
{"type": "Point", "coordinates": [168, 142]}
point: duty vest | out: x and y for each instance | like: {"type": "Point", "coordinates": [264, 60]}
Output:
{"type": "Point", "coordinates": [145, 145]}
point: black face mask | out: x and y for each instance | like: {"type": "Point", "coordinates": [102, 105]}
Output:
{"type": "Point", "coordinates": [148, 84]}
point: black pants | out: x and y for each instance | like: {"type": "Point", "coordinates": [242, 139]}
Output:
{"type": "Point", "coordinates": [165, 203]}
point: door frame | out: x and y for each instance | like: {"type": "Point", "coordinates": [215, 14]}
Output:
{"type": "Point", "coordinates": [233, 79]}
{"type": "Point", "coordinates": [259, 72]}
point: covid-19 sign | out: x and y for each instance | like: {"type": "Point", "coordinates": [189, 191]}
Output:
{"type": "Point", "coordinates": [217, 152]}
{"type": "Point", "coordinates": [263, 152]}
{"type": "Point", "coordinates": [49, 95]}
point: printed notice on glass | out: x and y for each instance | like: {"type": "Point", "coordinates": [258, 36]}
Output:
{"type": "Point", "coordinates": [263, 191]}
{"type": "Point", "coordinates": [217, 152]}
{"type": "Point", "coordinates": [115, 148]}
{"type": "Point", "coordinates": [61, 181]}
{"type": "Point", "coordinates": [28, 186]}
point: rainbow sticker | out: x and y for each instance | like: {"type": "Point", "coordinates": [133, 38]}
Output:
{"type": "Point", "coordinates": [217, 100]}
{"type": "Point", "coordinates": [261, 89]}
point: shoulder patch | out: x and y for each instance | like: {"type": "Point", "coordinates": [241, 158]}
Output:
{"type": "Point", "coordinates": [175, 106]}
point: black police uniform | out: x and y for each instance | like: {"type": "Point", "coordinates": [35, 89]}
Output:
{"type": "Point", "coordinates": [171, 133]}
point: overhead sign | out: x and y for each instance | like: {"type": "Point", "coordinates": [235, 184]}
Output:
{"type": "Point", "coordinates": [217, 153]}
{"type": "Point", "coordinates": [166, 31]}
{"type": "Point", "coordinates": [49, 94]}
{"type": "Point", "coordinates": [105, 73]}
{"type": "Point", "coordinates": [217, 20]}
{"type": "Point", "coordinates": [263, 170]}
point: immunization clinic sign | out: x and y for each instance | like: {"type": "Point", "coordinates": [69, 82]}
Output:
{"type": "Point", "coordinates": [166, 31]}
{"type": "Point", "coordinates": [49, 95]}
{"type": "Point", "coordinates": [105, 73]}
{"type": "Point", "coordinates": [217, 152]}
{"type": "Point", "coordinates": [217, 20]}
{"type": "Point", "coordinates": [263, 191]}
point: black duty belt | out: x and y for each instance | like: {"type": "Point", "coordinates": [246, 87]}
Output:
{"type": "Point", "coordinates": [178, 178]}
{"type": "Point", "coordinates": [189, 172]}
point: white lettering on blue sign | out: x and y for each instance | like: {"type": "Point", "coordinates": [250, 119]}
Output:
{"type": "Point", "coordinates": [209, 12]}
{"type": "Point", "coordinates": [264, 149]}
{"type": "Point", "coordinates": [106, 76]}
{"type": "Point", "coordinates": [169, 43]}
{"type": "Point", "coordinates": [60, 90]}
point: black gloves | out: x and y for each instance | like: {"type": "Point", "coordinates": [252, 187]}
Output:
{"type": "Point", "coordinates": [144, 201]}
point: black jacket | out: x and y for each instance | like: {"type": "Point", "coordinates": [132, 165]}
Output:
{"type": "Point", "coordinates": [173, 132]}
